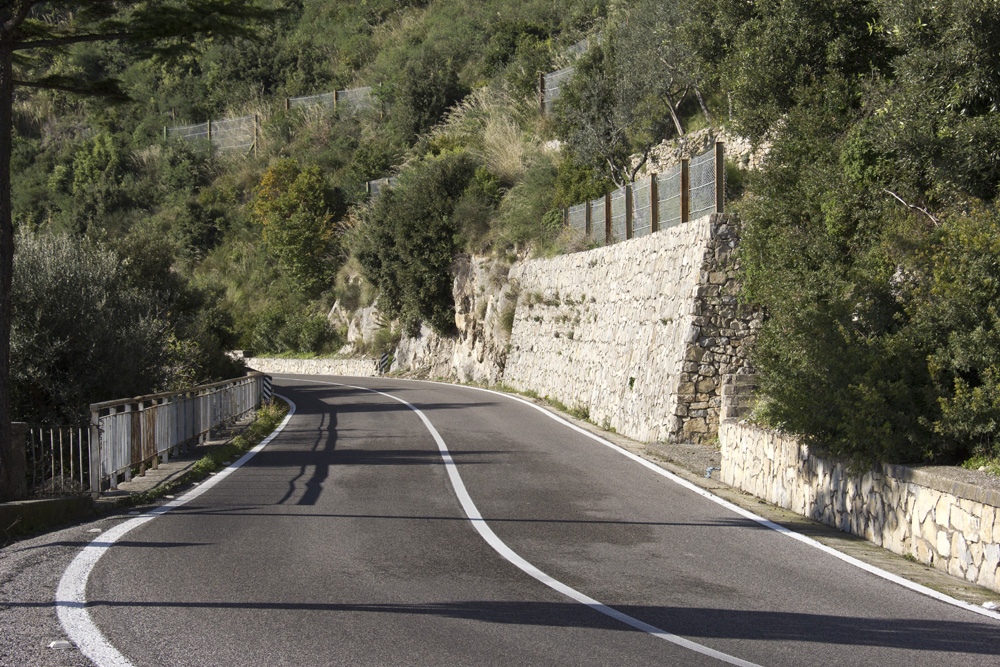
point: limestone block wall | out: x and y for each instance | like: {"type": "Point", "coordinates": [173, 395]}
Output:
{"type": "Point", "coordinates": [637, 334]}
{"type": "Point", "coordinates": [349, 367]}
{"type": "Point", "coordinates": [944, 517]}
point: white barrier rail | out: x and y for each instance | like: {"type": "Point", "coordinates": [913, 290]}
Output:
{"type": "Point", "coordinates": [138, 432]}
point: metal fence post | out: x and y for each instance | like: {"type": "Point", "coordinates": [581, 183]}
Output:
{"type": "Point", "coordinates": [720, 176]}
{"type": "Point", "coordinates": [654, 205]}
{"type": "Point", "coordinates": [629, 203]}
{"type": "Point", "coordinates": [587, 223]}
{"type": "Point", "coordinates": [541, 92]}
{"type": "Point", "coordinates": [685, 190]}
{"type": "Point", "coordinates": [607, 219]}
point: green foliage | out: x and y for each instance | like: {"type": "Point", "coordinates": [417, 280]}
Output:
{"type": "Point", "coordinates": [957, 310]}
{"type": "Point", "coordinates": [870, 238]}
{"type": "Point", "coordinates": [295, 209]}
{"type": "Point", "coordinates": [277, 332]}
{"type": "Point", "coordinates": [89, 325]}
{"type": "Point", "coordinates": [420, 91]}
{"type": "Point", "coordinates": [408, 237]}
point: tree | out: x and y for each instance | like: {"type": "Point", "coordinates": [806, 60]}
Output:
{"type": "Point", "coordinates": [296, 209]}
{"type": "Point", "coordinates": [31, 30]}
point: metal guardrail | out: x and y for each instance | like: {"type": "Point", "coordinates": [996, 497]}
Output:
{"type": "Point", "coordinates": [137, 432]}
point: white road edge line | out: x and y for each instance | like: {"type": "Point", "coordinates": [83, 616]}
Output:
{"type": "Point", "coordinates": [501, 548]}
{"type": "Point", "coordinates": [878, 572]}
{"type": "Point", "coordinates": [71, 595]}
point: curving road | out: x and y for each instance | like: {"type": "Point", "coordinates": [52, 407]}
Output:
{"type": "Point", "coordinates": [347, 541]}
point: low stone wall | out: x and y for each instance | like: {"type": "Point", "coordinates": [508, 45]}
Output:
{"type": "Point", "coordinates": [348, 367]}
{"type": "Point", "coordinates": [943, 517]}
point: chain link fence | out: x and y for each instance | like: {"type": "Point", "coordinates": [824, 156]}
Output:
{"type": "Point", "coordinates": [379, 185]}
{"type": "Point", "coordinates": [668, 185]}
{"type": "Point", "coordinates": [348, 101]}
{"type": "Point", "coordinates": [240, 134]}
{"type": "Point", "coordinates": [703, 179]}
{"type": "Point", "coordinates": [688, 191]}
{"type": "Point", "coordinates": [228, 134]}
{"type": "Point", "coordinates": [551, 86]}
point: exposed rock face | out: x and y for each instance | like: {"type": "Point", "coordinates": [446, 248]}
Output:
{"type": "Point", "coordinates": [670, 153]}
{"type": "Point", "coordinates": [363, 326]}
{"type": "Point", "coordinates": [478, 352]}
{"type": "Point", "coordinates": [639, 335]}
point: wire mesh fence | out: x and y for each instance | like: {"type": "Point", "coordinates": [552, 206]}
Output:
{"type": "Point", "coordinates": [552, 85]}
{"type": "Point", "coordinates": [379, 185]}
{"type": "Point", "coordinates": [619, 214]}
{"type": "Point", "coordinates": [234, 134]}
{"type": "Point", "coordinates": [642, 208]}
{"type": "Point", "coordinates": [688, 191]}
{"type": "Point", "coordinates": [228, 134]}
{"type": "Point", "coordinates": [581, 47]}
{"type": "Point", "coordinates": [240, 134]}
{"type": "Point", "coordinates": [598, 219]}
{"type": "Point", "coordinates": [355, 100]}
{"type": "Point", "coordinates": [668, 187]}
{"type": "Point", "coordinates": [576, 217]}
{"type": "Point", "coordinates": [322, 100]}
{"type": "Point", "coordinates": [702, 199]}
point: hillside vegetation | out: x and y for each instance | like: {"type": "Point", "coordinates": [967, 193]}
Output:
{"type": "Point", "coordinates": [870, 235]}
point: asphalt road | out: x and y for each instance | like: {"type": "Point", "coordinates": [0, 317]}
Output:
{"type": "Point", "coordinates": [348, 541]}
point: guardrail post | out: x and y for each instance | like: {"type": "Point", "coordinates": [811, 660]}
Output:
{"type": "Point", "coordinates": [654, 204]}
{"type": "Point", "coordinates": [685, 190]}
{"type": "Point", "coordinates": [720, 176]}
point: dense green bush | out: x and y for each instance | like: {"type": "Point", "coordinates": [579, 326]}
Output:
{"type": "Point", "coordinates": [296, 209]}
{"type": "Point", "coordinates": [91, 325]}
{"type": "Point", "coordinates": [407, 240]}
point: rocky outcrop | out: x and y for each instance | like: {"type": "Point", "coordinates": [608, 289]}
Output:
{"type": "Point", "coordinates": [478, 351]}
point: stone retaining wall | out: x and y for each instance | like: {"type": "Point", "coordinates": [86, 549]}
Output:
{"type": "Point", "coordinates": [349, 367]}
{"type": "Point", "coordinates": [637, 334]}
{"type": "Point", "coordinates": [944, 517]}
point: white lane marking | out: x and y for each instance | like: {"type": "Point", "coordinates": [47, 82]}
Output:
{"type": "Point", "coordinates": [501, 548]}
{"type": "Point", "coordinates": [71, 595]}
{"type": "Point", "coordinates": [878, 572]}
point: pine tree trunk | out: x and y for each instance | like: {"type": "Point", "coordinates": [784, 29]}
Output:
{"type": "Point", "coordinates": [12, 478]}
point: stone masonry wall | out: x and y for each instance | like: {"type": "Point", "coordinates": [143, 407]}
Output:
{"type": "Point", "coordinates": [943, 517]}
{"type": "Point", "coordinates": [350, 367]}
{"type": "Point", "coordinates": [637, 334]}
